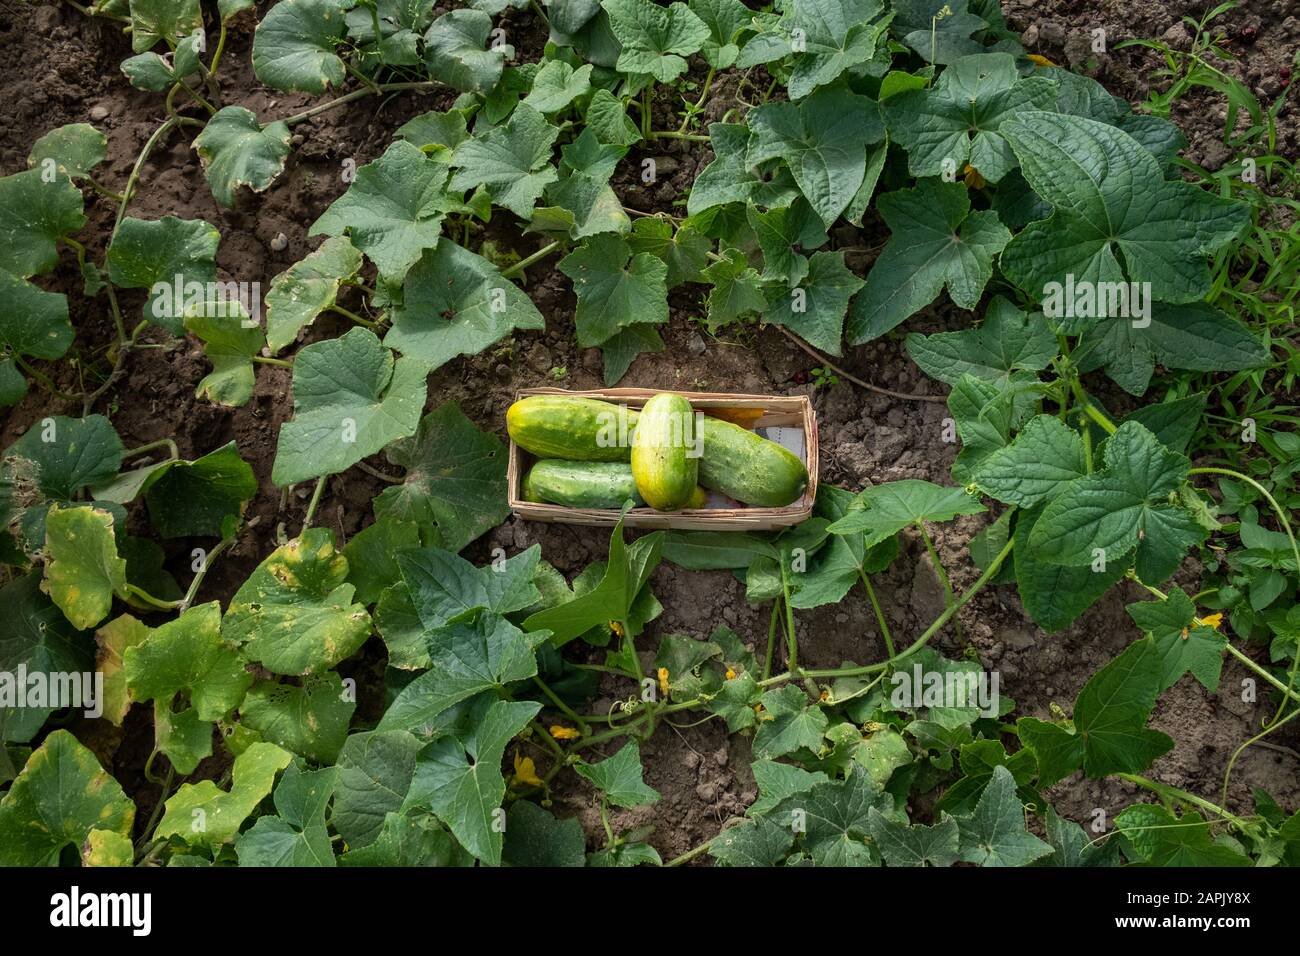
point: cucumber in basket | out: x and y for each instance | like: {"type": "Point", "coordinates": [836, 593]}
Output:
{"type": "Point", "coordinates": [748, 467]}
{"type": "Point", "coordinates": [571, 428]}
{"type": "Point", "coordinates": [588, 484]}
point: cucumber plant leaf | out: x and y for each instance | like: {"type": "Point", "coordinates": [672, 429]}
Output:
{"type": "Point", "coordinates": [935, 242]}
{"type": "Point", "coordinates": [1116, 217]}
{"type": "Point", "coordinates": [724, 18]}
{"type": "Point", "coordinates": [375, 770]}
{"type": "Point", "coordinates": [170, 20]}
{"type": "Point", "coordinates": [815, 308]}
{"type": "Point", "coordinates": [901, 844]}
{"type": "Point", "coordinates": [1185, 645]}
{"type": "Point", "coordinates": [620, 351]}
{"type": "Point", "coordinates": [400, 24]}
{"type": "Point", "coordinates": [684, 250]}
{"type": "Point", "coordinates": [39, 638]}
{"type": "Point", "coordinates": [372, 556]}
{"type": "Point", "coordinates": [76, 148]}
{"type": "Point", "coordinates": [455, 484]}
{"type": "Point", "coordinates": [476, 652]}
{"type": "Point", "coordinates": [512, 161]}
{"type": "Point", "coordinates": [757, 842]}
{"type": "Point", "coordinates": [392, 211]}
{"type": "Point", "coordinates": [294, 47]}
{"type": "Point", "coordinates": [994, 834]}
{"type": "Point", "coordinates": [457, 303]}
{"type": "Point", "coordinates": [729, 177]}
{"type": "Point", "coordinates": [460, 779]}
{"type": "Point", "coordinates": [789, 722]}
{"type": "Point", "coordinates": [111, 643]}
{"type": "Point", "coordinates": [443, 586]}
{"type": "Point", "coordinates": [162, 255]}
{"type": "Point", "coordinates": [655, 40]}
{"type": "Point", "coordinates": [61, 796]}
{"type": "Point", "coordinates": [1157, 836]}
{"type": "Point", "coordinates": [1043, 459]}
{"type": "Point", "coordinates": [737, 290]}
{"type": "Point", "coordinates": [294, 615]}
{"type": "Point", "coordinates": [34, 216]}
{"type": "Point", "coordinates": [619, 778]}
{"type": "Point", "coordinates": [608, 119]}
{"type": "Point", "coordinates": [823, 39]}
{"type": "Point", "coordinates": [823, 140]}
{"type": "Point", "coordinates": [230, 341]}
{"type": "Point", "coordinates": [236, 150]}
{"type": "Point", "coordinates": [783, 234]}
{"type": "Point", "coordinates": [307, 288]}
{"type": "Point", "coordinates": [845, 558]}
{"type": "Point", "coordinates": [955, 123]}
{"type": "Point", "coordinates": [1008, 342]}
{"type": "Point", "coordinates": [536, 838]}
{"type": "Point", "coordinates": [351, 399]}
{"type": "Point", "coordinates": [1054, 595]}
{"type": "Point", "coordinates": [453, 51]}
{"type": "Point", "coordinates": [1109, 732]}
{"type": "Point", "coordinates": [203, 815]}
{"type": "Point", "coordinates": [32, 322]}
{"type": "Point", "coordinates": [82, 568]}
{"type": "Point", "coordinates": [556, 85]}
{"type": "Point", "coordinates": [891, 507]}
{"type": "Point", "coordinates": [310, 720]}
{"type": "Point", "coordinates": [296, 835]}
{"type": "Point", "coordinates": [615, 288]}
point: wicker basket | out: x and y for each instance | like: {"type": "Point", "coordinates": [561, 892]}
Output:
{"type": "Point", "coordinates": [776, 410]}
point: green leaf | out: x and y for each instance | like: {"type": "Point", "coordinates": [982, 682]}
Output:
{"type": "Point", "coordinates": [1116, 217]}
{"type": "Point", "coordinates": [468, 656]}
{"type": "Point", "coordinates": [1009, 341]}
{"type": "Point", "coordinates": [407, 840]}
{"type": "Point", "coordinates": [1055, 595]}
{"type": "Point", "coordinates": [164, 256]}
{"type": "Point", "coordinates": [737, 290]}
{"type": "Point", "coordinates": [685, 250]}
{"type": "Point", "coordinates": [655, 40]}
{"type": "Point", "coordinates": [994, 834]}
{"type": "Point", "coordinates": [782, 234]}
{"type": "Point", "coordinates": [444, 586]}
{"type": "Point", "coordinates": [936, 242]}
{"type": "Point", "coordinates": [823, 40]}
{"type": "Point", "coordinates": [307, 288]}
{"type": "Point", "coordinates": [310, 720]}
{"type": "Point", "coordinates": [198, 497]}
{"type": "Point", "coordinates": [557, 85]}
{"type": "Point", "coordinates": [375, 771]}
{"type": "Point", "coordinates": [437, 134]}
{"type": "Point", "coordinates": [1159, 837]}
{"type": "Point", "coordinates": [724, 18]}
{"type": "Point", "coordinates": [187, 656]}
{"type": "Point", "coordinates": [838, 819]}
{"type": "Point", "coordinates": [455, 479]}
{"type": "Point", "coordinates": [393, 210]}
{"type": "Point", "coordinates": [512, 161]}
{"type": "Point", "coordinates": [34, 216]}
{"type": "Point", "coordinates": [823, 141]}
{"type": "Point", "coordinates": [1118, 509]}
{"type": "Point", "coordinates": [956, 122]}
{"type": "Point", "coordinates": [1195, 336]}
{"type": "Point", "coordinates": [535, 838]}
{"type": "Point", "coordinates": [760, 842]}
{"type": "Point", "coordinates": [729, 177]}
{"type": "Point", "coordinates": [461, 780]}
{"type": "Point", "coordinates": [915, 845]}
{"type": "Point", "coordinates": [82, 569]}
{"type": "Point", "coordinates": [294, 45]}
{"type": "Point", "coordinates": [351, 399]}
{"type": "Point", "coordinates": [372, 556]}
{"type": "Point", "coordinates": [815, 309]}
{"type": "Point", "coordinates": [69, 453]}
{"type": "Point", "coordinates": [613, 599]}
{"type": "Point", "coordinates": [619, 778]}
{"type": "Point", "coordinates": [621, 351]}
{"type": "Point", "coordinates": [779, 781]}
{"type": "Point", "coordinates": [457, 303]}
{"type": "Point", "coordinates": [76, 148]}
{"type": "Point", "coordinates": [1183, 643]}
{"type": "Point", "coordinates": [296, 835]}
{"type": "Point", "coordinates": [294, 614]}
{"type": "Point", "coordinates": [891, 507]}
{"type": "Point", "coordinates": [39, 638]}
{"type": "Point", "coordinates": [230, 340]}
{"type": "Point", "coordinates": [400, 23]}
{"type": "Point", "coordinates": [111, 643]}
{"type": "Point", "coordinates": [844, 560]}
{"type": "Point", "coordinates": [237, 151]}
{"type": "Point", "coordinates": [615, 288]}
{"type": "Point", "coordinates": [61, 796]}
{"type": "Point", "coordinates": [608, 119]}
{"type": "Point", "coordinates": [1041, 462]}
{"type": "Point", "coordinates": [32, 321]}
{"type": "Point", "coordinates": [1073, 847]}
{"type": "Point", "coordinates": [1110, 715]}
{"type": "Point", "coordinates": [453, 51]}
{"type": "Point", "coordinates": [789, 722]}
{"type": "Point", "coordinates": [202, 814]}
{"type": "Point", "coordinates": [154, 20]}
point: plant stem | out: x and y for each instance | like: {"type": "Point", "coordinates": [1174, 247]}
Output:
{"type": "Point", "coordinates": [771, 640]}
{"type": "Point", "coordinates": [1174, 793]}
{"type": "Point", "coordinates": [847, 376]}
{"type": "Point", "coordinates": [1227, 773]}
{"type": "Point", "coordinates": [692, 110]}
{"type": "Point", "coordinates": [792, 642]}
{"type": "Point", "coordinates": [160, 443]}
{"type": "Point", "coordinates": [880, 614]}
{"type": "Point", "coordinates": [311, 505]}
{"type": "Point", "coordinates": [216, 54]}
{"type": "Point", "coordinates": [523, 264]}
{"type": "Point", "coordinates": [420, 86]}
{"type": "Point", "coordinates": [671, 134]}
{"type": "Point", "coordinates": [645, 111]}
{"type": "Point", "coordinates": [45, 381]}
{"type": "Point", "coordinates": [381, 475]}
{"type": "Point", "coordinates": [1090, 409]}
{"type": "Point", "coordinates": [366, 323]}
{"type": "Point", "coordinates": [941, 571]}
{"type": "Point", "coordinates": [267, 360]}
{"type": "Point", "coordinates": [202, 572]}
{"type": "Point", "coordinates": [583, 727]}
{"type": "Point", "coordinates": [989, 573]}
{"type": "Point", "coordinates": [548, 740]}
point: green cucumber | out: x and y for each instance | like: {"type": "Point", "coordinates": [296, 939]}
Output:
{"type": "Point", "coordinates": [581, 484]}
{"type": "Point", "coordinates": [664, 461]}
{"type": "Point", "coordinates": [571, 428]}
{"type": "Point", "coordinates": [748, 467]}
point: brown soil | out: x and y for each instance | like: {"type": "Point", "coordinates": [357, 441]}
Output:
{"type": "Point", "coordinates": [56, 67]}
